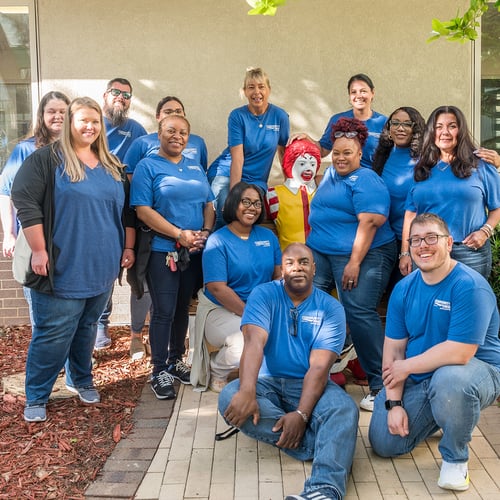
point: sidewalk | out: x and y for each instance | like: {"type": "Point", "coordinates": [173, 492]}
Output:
{"type": "Point", "coordinates": [172, 455]}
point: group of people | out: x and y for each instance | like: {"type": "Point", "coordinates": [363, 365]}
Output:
{"type": "Point", "coordinates": [93, 195]}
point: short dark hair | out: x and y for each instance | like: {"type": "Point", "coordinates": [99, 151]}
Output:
{"type": "Point", "coordinates": [350, 125]}
{"type": "Point", "coordinates": [234, 198]}
{"type": "Point", "coordinates": [361, 77]}
{"type": "Point", "coordinates": [123, 81]}
{"type": "Point", "coordinates": [166, 99]}
{"type": "Point", "coordinates": [430, 218]}
{"type": "Point", "coordinates": [160, 125]}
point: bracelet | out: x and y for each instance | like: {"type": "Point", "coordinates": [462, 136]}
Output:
{"type": "Point", "coordinates": [489, 227]}
{"type": "Point", "coordinates": [129, 248]}
{"type": "Point", "coordinates": [207, 229]}
{"type": "Point", "coordinates": [179, 235]}
{"type": "Point", "coordinates": [305, 416]}
{"type": "Point", "coordinates": [404, 254]}
{"type": "Point", "coordinates": [485, 231]}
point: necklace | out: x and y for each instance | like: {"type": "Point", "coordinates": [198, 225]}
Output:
{"type": "Point", "coordinates": [240, 235]}
{"type": "Point", "coordinates": [259, 118]}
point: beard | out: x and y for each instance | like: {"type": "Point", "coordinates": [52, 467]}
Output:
{"type": "Point", "coordinates": [116, 115]}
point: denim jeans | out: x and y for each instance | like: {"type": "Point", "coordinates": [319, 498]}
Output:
{"type": "Point", "coordinates": [171, 294]}
{"type": "Point", "coordinates": [479, 260]}
{"type": "Point", "coordinates": [330, 436]}
{"type": "Point", "coordinates": [450, 400]}
{"type": "Point", "coordinates": [220, 189]}
{"type": "Point", "coordinates": [361, 302]}
{"type": "Point", "coordinates": [106, 312]}
{"type": "Point", "coordinates": [63, 335]}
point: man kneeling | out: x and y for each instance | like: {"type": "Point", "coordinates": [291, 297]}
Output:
{"type": "Point", "coordinates": [441, 362]}
{"type": "Point", "coordinates": [293, 333]}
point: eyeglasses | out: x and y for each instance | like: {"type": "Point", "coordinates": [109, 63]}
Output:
{"type": "Point", "coordinates": [294, 328]}
{"type": "Point", "coordinates": [397, 124]}
{"type": "Point", "coordinates": [349, 135]}
{"type": "Point", "coordinates": [117, 92]}
{"type": "Point", "coordinates": [248, 203]}
{"type": "Point", "coordinates": [430, 239]}
{"type": "Point", "coordinates": [178, 111]}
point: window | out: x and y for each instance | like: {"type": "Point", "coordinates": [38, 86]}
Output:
{"type": "Point", "coordinates": [490, 79]}
{"type": "Point", "coordinates": [17, 58]}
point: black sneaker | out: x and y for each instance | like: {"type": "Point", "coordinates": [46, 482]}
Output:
{"type": "Point", "coordinates": [180, 371]}
{"type": "Point", "coordinates": [163, 385]}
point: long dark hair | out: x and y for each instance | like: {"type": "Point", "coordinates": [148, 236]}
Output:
{"type": "Point", "coordinates": [386, 143]}
{"type": "Point", "coordinates": [464, 161]}
{"type": "Point", "coordinates": [40, 130]}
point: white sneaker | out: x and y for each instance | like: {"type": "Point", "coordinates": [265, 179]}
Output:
{"type": "Point", "coordinates": [368, 401]}
{"type": "Point", "coordinates": [454, 476]}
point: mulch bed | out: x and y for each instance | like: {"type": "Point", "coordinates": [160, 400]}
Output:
{"type": "Point", "coordinates": [59, 458]}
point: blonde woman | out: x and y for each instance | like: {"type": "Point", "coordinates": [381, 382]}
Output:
{"type": "Point", "coordinates": [256, 131]}
{"type": "Point", "coordinates": [69, 196]}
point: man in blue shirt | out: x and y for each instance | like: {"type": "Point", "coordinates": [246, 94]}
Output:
{"type": "Point", "coordinates": [441, 362]}
{"type": "Point", "coordinates": [293, 332]}
{"type": "Point", "coordinates": [121, 131]}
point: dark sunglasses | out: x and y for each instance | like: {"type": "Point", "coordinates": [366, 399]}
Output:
{"type": "Point", "coordinates": [117, 92]}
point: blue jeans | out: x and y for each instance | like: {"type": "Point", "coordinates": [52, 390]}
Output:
{"type": "Point", "coordinates": [479, 260]}
{"type": "Point", "coordinates": [106, 312]}
{"type": "Point", "coordinates": [171, 294]}
{"type": "Point", "coordinates": [451, 400]}
{"type": "Point", "coordinates": [63, 335]}
{"type": "Point", "coordinates": [220, 189]}
{"type": "Point", "coordinates": [330, 436]}
{"type": "Point", "coordinates": [361, 302]}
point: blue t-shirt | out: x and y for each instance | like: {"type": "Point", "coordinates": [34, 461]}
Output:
{"type": "Point", "coordinates": [88, 233]}
{"type": "Point", "coordinates": [335, 207]}
{"type": "Point", "coordinates": [260, 136]}
{"type": "Point", "coordinates": [242, 264]}
{"type": "Point", "coordinates": [120, 138]}
{"type": "Point", "coordinates": [147, 145]}
{"type": "Point", "coordinates": [398, 177]}
{"type": "Point", "coordinates": [177, 191]}
{"type": "Point", "coordinates": [13, 164]}
{"type": "Point", "coordinates": [320, 325]}
{"type": "Point", "coordinates": [462, 308]}
{"type": "Point", "coordinates": [462, 203]}
{"type": "Point", "coordinates": [374, 124]}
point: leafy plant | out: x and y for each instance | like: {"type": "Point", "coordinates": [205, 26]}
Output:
{"type": "Point", "coordinates": [264, 7]}
{"type": "Point", "coordinates": [461, 28]}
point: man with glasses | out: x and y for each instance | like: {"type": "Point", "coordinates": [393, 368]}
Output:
{"type": "Point", "coordinates": [441, 362]}
{"type": "Point", "coordinates": [293, 332]}
{"type": "Point", "coordinates": [121, 131]}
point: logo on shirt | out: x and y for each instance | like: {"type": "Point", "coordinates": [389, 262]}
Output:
{"type": "Point", "coordinates": [353, 178]}
{"type": "Point", "coordinates": [126, 133]}
{"type": "Point", "coordinates": [263, 243]}
{"type": "Point", "coordinates": [274, 128]}
{"type": "Point", "coordinates": [442, 305]}
{"type": "Point", "coordinates": [194, 167]}
{"type": "Point", "coordinates": [314, 320]}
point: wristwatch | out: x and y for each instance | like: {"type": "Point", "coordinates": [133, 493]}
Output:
{"type": "Point", "coordinates": [390, 404]}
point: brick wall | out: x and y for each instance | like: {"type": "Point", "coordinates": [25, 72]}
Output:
{"type": "Point", "coordinates": [14, 310]}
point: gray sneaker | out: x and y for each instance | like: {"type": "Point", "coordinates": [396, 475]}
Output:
{"type": "Point", "coordinates": [87, 395]}
{"type": "Point", "coordinates": [35, 413]}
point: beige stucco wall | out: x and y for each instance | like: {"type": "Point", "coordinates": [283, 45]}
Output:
{"type": "Point", "coordinates": [199, 49]}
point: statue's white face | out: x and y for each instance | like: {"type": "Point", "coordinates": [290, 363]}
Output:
{"type": "Point", "coordinates": [304, 169]}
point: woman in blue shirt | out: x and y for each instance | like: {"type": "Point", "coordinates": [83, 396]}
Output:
{"type": "Point", "coordinates": [395, 158]}
{"type": "Point", "coordinates": [452, 182]}
{"type": "Point", "coordinates": [48, 128]}
{"type": "Point", "coordinates": [172, 196]}
{"type": "Point", "coordinates": [256, 132]}
{"type": "Point", "coordinates": [69, 196]}
{"type": "Point", "coordinates": [237, 258]}
{"type": "Point", "coordinates": [353, 244]}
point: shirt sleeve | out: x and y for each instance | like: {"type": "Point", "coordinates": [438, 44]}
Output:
{"type": "Point", "coordinates": [214, 260]}
{"type": "Point", "coordinates": [395, 327]}
{"type": "Point", "coordinates": [235, 129]}
{"type": "Point", "coordinates": [141, 187]}
{"type": "Point", "coordinates": [133, 155]}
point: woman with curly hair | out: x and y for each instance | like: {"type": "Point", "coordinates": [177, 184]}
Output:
{"type": "Point", "coordinates": [451, 181]}
{"type": "Point", "coordinates": [353, 244]}
{"type": "Point", "coordinates": [395, 158]}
